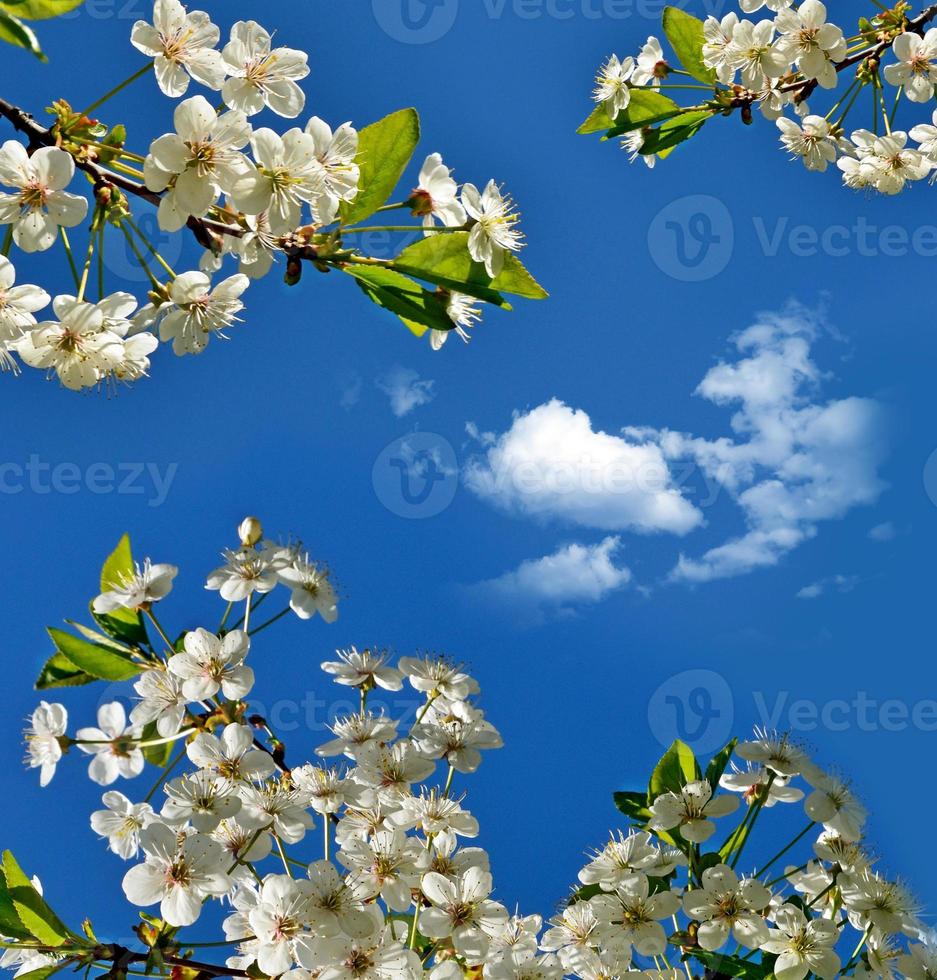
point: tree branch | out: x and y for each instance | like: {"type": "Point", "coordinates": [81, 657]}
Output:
{"type": "Point", "coordinates": [205, 230]}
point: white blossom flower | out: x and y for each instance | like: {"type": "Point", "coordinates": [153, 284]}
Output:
{"type": "Point", "coordinates": [200, 799]}
{"type": "Point", "coordinates": [873, 901]}
{"type": "Point", "coordinates": [435, 675]}
{"type": "Point", "coordinates": [334, 906]}
{"type": "Point", "coordinates": [181, 44]}
{"type": "Point", "coordinates": [887, 162]}
{"type": "Point", "coordinates": [650, 66]}
{"type": "Point", "coordinates": [591, 964]}
{"type": "Point", "coordinates": [631, 916]}
{"type": "Point", "coordinates": [162, 701]}
{"type": "Point", "coordinates": [756, 784]}
{"type": "Point", "coordinates": [751, 51]}
{"type": "Point", "coordinates": [717, 41]}
{"type": "Point", "coordinates": [920, 962]}
{"type": "Point", "coordinates": [311, 590]}
{"type": "Point", "coordinates": [242, 844]}
{"type": "Point", "coordinates": [807, 40]}
{"type": "Point", "coordinates": [516, 936]}
{"type": "Point", "coordinates": [618, 861]}
{"type": "Point", "coordinates": [328, 790]}
{"type": "Point", "coordinates": [271, 805]}
{"type": "Point", "coordinates": [725, 905]}
{"type": "Point", "coordinates": [389, 864]}
{"type": "Point", "coordinates": [833, 804]}
{"type": "Point", "coordinates": [837, 850]}
{"type": "Point", "coordinates": [812, 141]}
{"type": "Point", "coordinates": [137, 589]}
{"type": "Point", "coordinates": [179, 872]}
{"type": "Point", "coordinates": [198, 162]}
{"type": "Point", "coordinates": [209, 664]}
{"type": "Point", "coordinates": [494, 232]}
{"type": "Point", "coordinates": [288, 174]}
{"type": "Point", "coordinates": [232, 756]}
{"type": "Point", "coordinates": [121, 823]}
{"type": "Point", "coordinates": [611, 85]}
{"type": "Point", "coordinates": [379, 956]}
{"type": "Point", "coordinates": [632, 143]}
{"type": "Point", "coordinates": [197, 310]}
{"type": "Point", "coordinates": [691, 810]}
{"type": "Point", "coordinates": [802, 945]}
{"type": "Point", "coordinates": [462, 912]}
{"type": "Point", "coordinates": [367, 669]}
{"type": "Point", "coordinates": [17, 306]}
{"type": "Point", "coordinates": [463, 312]}
{"type": "Point", "coordinates": [456, 731]}
{"type": "Point", "coordinates": [43, 745]}
{"type": "Point", "coordinates": [262, 75]}
{"type": "Point", "coordinates": [775, 752]}
{"type": "Point", "coordinates": [112, 744]}
{"type": "Point", "coordinates": [916, 68]}
{"type": "Point", "coordinates": [436, 196]}
{"type": "Point", "coordinates": [435, 815]}
{"type": "Point", "coordinates": [40, 204]}
{"type": "Point", "coordinates": [245, 571]}
{"type": "Point", "coordinates": [750, 6]}
{"type": "Point", "coordinates": [355, 732]}
{"type": "Point", "coordinates": [575, 926]}
{"type": "Point", "coordinates": [77, 347]}
{"type": "Point", "coordinates": [336, 153]}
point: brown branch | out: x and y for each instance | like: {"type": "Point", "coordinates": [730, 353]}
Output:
{"type": "Point", "coordinates": [205, 230]}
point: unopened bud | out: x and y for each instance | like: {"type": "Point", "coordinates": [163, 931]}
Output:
{"type": "Point", "coordinates": [747, 115]}
{"type": "Point", "coordinates": [294, 271]}
{"type": "Point", "coordinates": [250, 532]}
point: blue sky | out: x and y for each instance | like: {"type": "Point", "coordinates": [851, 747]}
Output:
{"type": "Point", "coordinates": [292, 420]}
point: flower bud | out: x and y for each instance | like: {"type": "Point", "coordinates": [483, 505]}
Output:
{"type": "Point", "coordinates": [250, 532]}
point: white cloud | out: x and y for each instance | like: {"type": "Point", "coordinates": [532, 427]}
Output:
{"type": "Point", "coordinates": [557, 584]}
{"type": "Point", "coordinates": [791, 460]}
{"type": "Point", "coordinates": [838, 583]}
{"type": "Point", "coordinates": [794, 460]}
{"type": "Point", "coordinates": [552, 464]}
{"type": "Point", "coordinates": [350, 386]}
{"type": "Point", "coordinates": [405, 389]}
{"type": "Point", "coordinates": [884, 532]}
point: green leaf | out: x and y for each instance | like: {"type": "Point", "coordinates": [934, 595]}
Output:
{"type": "Point", "coordinates": [418, 308]}
{"type": "Point", "coordinates": [598, 121]}
{"type": "Point", "coordinates": [685, 34]}
{"type": "Point", "coordinates": [126, 633]}
{"type": "Point", "coordinates": [718, 764]}
{"type": "Point", "coordinates": [676, 768]}
{"type": "Point", "coordinates": [384, 150]}
{"type": "Point", "coordinates": [99, 661]}
{"type": "Point", "coordinates": [61, 672]}
{"type": "Point", "coordinates": [444, 259]}
{"type": "Point", "coordinates": [633, 805]}
{"type": "Point", "coordinates": [646, 108]}
{"type": "Point", "coordinates": [157, 755]}
{"type": "Point", "coordinates": [675, 131]}
{"type": "Point", "coordinates": [731, 966]}
{"type": "Point", "coordinates": [41, 9]}
{"type": "Point", "coordinates": [14, 31]}
{"type": "Point", "coordinates": [31, 909]}
{"type": "Point", "coordinates": [118, 567]}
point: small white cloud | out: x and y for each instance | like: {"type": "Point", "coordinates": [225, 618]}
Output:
{"type": "Point", "coordinates": [557, 585]}
{"type": "Point", "coordinates": [552, 464]}
{"type": "Point", "coordinates": [350, 385]}
{"type": "Point", "coordinates": [405, 389]}
{"type": "Point", "coordinates": [835, 583]}
{"type": "Point", "coordinates": [884, 532]}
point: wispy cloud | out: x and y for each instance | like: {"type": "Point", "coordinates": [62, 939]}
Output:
{"type": "Point", "coordinates": [833, 583]}
{"type": "Point", "coordinates": [559, 584]}
{"type": "Point", "coordinates": [405, 389]}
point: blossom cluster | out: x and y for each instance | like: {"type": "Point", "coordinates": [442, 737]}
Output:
{"type": "Point", "coordinates": [357, 861]}
{"type": "Point", "coordinates": [253, 196]}
{"type": "Point", "coordinates": [776, 62]}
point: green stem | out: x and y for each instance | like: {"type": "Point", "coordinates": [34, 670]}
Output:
{"type": "Point", "coordinates": [160, 630]}
{"type": "Point", "coordinates": [165, 774]}
{"type": "Point", "coordinates": [448, 785]}
{"type": "Point", "coordinates": [784, 850]}
{"type": "Point", "coordinates": [7, 241]}
{"type": "Point", "coordinates": [361, 229]}
{"type": "Point", "coordinates": [286, 864]}
{"type": "Point", "coordinates": [150, 247]}
{"type": "Point", "coordinates": [118, 88]}
{"type": "Point", "coordinates": [140, 260]}
{"type": "Point", "coordinates": [224, 618]}
{"type": "Point", "coordinates": [71, 258]}
{"type": "Point", "coordinates": [270, 621]}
